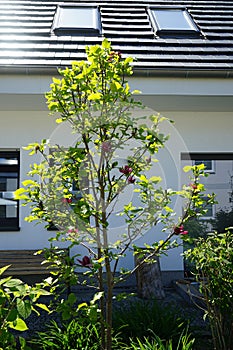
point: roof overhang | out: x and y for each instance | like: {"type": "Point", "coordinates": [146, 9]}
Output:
{"type": "Point", "coordinates": [152, 72]}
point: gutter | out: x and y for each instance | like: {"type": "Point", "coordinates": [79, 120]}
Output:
{"type": "Point", "coordinates": [138, 72]}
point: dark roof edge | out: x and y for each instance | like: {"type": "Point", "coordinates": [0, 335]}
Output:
{"type": "Point", "coordinates": [184, 73]}
{"type": "Point", "coordinates": [142, 72]}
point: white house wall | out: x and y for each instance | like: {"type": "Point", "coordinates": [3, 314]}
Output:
{"type": "Point", "coordinates": [193, 131]}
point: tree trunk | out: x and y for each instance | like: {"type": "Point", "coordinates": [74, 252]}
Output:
{"type": "Point", "coordinates": [149, 281]}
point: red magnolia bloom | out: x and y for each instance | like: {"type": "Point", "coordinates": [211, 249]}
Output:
{"type": "Point", "coordinates": [86, 261]}
{"type": "Point", "coordinates": [114, 54]}
{"type": "Point", "coordinates": [106, 146]}
{"type": "Point", "coordinates": [194, 186]}
{"type": "Point", "coordinates": [66, 200]}
{"type": "Point", "coordinates": [126, 170]}
{"type": "Point", "coordinates": [179, 230]}
{"type": "Point", "coordinates": [72, 230]}
{"type": "Point", "coordinates": [131, 179]}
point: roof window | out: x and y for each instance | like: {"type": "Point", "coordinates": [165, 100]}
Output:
{"type": "Point", "coordinates": [77, 20]}
{"type": "Point", "coordinates": [173, 22]}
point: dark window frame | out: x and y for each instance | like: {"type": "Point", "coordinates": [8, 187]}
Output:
{"type": "Point", "coordinates": [191, 31]}
{"type": "Point", "coordinates": [209, 170]}
{"type": "Point", "coordinates": [12, 223]}
{"type": "Point", "coordinates": [94, 30]}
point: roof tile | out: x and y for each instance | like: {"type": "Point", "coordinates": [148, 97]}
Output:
{"type": "Point", "coordinates": [26, 38]}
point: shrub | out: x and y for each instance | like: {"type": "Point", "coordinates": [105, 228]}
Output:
{"type": "Point", "coordinates": [17, 301]}
{"type": "Point", "coordinates": [184, 343]}
{"type": "Point", "coordinates": [74, 335]}
{"type": "Point", "coordinates": [143, 318]}
{"type": "Point", "coordinates": [223, 219]}
{"type": "Point", "coordinates": [213, 259]}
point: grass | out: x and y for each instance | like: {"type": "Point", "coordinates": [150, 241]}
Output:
{"type": "Point", "coordinates": [141, 319]}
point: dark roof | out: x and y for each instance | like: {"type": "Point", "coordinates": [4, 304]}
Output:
{"type": "Point", "coordinates": [26, 39]}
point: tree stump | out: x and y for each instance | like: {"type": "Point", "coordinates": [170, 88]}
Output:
{"type": "Point", "coordinates": [149, 281]}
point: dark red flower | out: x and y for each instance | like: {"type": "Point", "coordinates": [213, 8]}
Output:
{"type": "Point", "coordinates": [179, 230]}
{"type": "Point", "coordinates": [106, 146]}
{"type": "Point", "coordinates": [86, 261]}
{"type": "Point", "coordinates": [72, 231]}
{"type": "Point", "coordinates": [114, 54]}
{"type": "Point", "coordinates": [194, 186]}
{"type": "Point", "coordinates": [126, 170]}
{"type": "Point", "coordinates": [66, 200]}
{"type": "Point", "coordinates": [131, 179]}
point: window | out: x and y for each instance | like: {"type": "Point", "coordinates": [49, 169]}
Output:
{"type": "Point", "coordinates": [173, 22]}
{"type": "Point", "coordinates": [77, 20]}
{"type": "Point", "coordinates": [209, 165]}
{"type": "Point", "coordinates": [9, 181]}
{"type": "Point", "coordinates": [210, 211]}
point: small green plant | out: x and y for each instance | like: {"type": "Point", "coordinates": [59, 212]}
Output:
{"type": "Point", "coordinates": [78, 334]}
{"type": "Point", "coordinates": [184, 343]}
{"type": "Point", "coordinates": [141, 318]}
{"type": "Point", "coordinates": [17, 301]}
{"type": "Point", "coordinates": [74, 335]}
{"type": "Point", "coordinates": [213, 259]}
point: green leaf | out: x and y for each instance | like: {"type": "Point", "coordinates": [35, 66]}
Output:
{"type": "Point", "coordinates": [56, 81]}
{"type": "Point", "coordinates": [24, 308]}
{"type": "Point", "coordinates": [43, 307]}
{"type": "Point", "coordinates": [14, 282]}
{"type": "Point", "coordinates": [19, 194]}
{"type": "Point", "coordinates": [155, 179]}
{"type": "Point", "coordinates": [106, 44]}
{"type": "Point", "coordinates": [28, 182]}
{"type": "Point", "coordinates": [80, 306]}
{"type": "Point", "coordinates": [72, 298]}
{"type": "Point", "coordinates": [3, 269]}
{"type": "Point", "coordinates": [18, 325]}
{"type": "Point", "coordinates": [97, 297]}
{"type": "Point", "coordinates": [12, 315]}
{"type": "Point", "coordinates": [94, 96]}
{"type": "Point", "coordinates": [187, 168]}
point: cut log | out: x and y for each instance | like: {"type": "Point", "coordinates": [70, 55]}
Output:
{"type": "Point", "coordinates": [149, 281]}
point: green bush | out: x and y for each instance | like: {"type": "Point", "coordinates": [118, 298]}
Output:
{"type": "Point", "coordinates": [78, 334]}
{"type": "Point", "coordinates": [213, 259]}
{"type": "Point", "coordinates": [143, 318]}
{"type": "Point", "coordinates": [223, 219]}
{"type": "Point", "coordinates": [73, 335]}
{"type": "Point", "coordinates": [17, 301]}
{"type": "Point", "coordinates": [184, 343]}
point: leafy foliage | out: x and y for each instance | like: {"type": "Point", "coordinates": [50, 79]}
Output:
{"type": "Point", "coordinates": [17, 301]}
{"type": "Point", "coordinates": [94, 98]}
{"type": "Point", "coordinates": [213, 258]}
{"type": "Point", "coordinates": [145, 318]}
{"type": "Point", "coordinates": [185, 343]}
{"type": "Point", "coordinates": [223, 220]}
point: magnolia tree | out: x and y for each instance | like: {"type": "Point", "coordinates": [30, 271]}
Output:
{"type": "Point", "coordinates": [83, 190]}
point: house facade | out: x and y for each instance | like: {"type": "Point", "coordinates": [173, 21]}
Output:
{"type": "Point", "coordinates": [183, 67]}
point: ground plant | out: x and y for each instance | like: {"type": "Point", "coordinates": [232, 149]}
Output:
{"type": "Point", "coordinates": [185, 343]}
{"type": "Point", "coordinates": [101, 192]}
{"type": "Point", "coordinates": [213, 259]}
{"type": "Point", "coordinates": [223, 219]}
{"type": "Point", "coordinates": [144, 318]}
{"type": "Point", "coordinates": [17, 301]}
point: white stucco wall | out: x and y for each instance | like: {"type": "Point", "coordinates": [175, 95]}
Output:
{"type": "Point", "coordinates": [198, 128]}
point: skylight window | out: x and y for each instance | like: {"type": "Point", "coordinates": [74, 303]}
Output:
{"type": "Point", "coordinates": [173, 22]}
{"type": "Point", "coordinates": [77, 20]}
